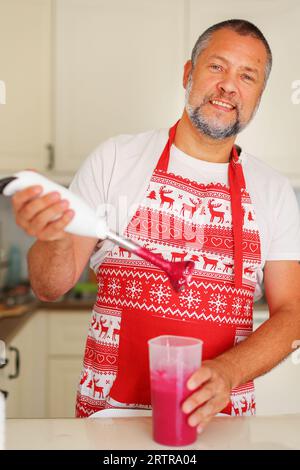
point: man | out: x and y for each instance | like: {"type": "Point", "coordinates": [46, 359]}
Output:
{"type": "Point", "coordinates": [198, 199]}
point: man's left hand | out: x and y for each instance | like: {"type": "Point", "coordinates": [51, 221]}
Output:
{"type": "Point", "coordinates": [211, 386]}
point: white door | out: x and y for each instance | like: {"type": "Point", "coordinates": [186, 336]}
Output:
{"type": "Point", "coordinates": [119, 67]}
{"type": "Point", "coordinates": [278, 391]}
{"type": "Point", "coordinates": [26, 382]}
{"type": "Point", "coordinates": [67, 333]}
{"type": "Point", "coordinates": [63, 374]}
{"type": "Point", "coordinates": [25, 58]}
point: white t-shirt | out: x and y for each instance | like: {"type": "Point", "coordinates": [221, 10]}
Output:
{"type": "Point", "coordinates": [114, 178]}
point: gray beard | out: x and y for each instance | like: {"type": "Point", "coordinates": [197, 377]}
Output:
{"type": "Point", "coordinates": [213, 130]}
{"type": "Point", "coordinates": [207, 126]}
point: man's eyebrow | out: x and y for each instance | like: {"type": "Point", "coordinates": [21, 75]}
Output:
{"type": "Point", "coordinates": [214, 56]}
{"type": "Point", "coordinates": [243, 67]}
{"type": "Point", "coordinates": [250, 69]}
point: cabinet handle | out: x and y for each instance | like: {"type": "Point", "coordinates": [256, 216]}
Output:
{"type": "Point", "coordinates": [17, 363]}
{"type": "Point", "coordinates": [51, 156]}
{"type": "Point", "coordinates": [5, 393]}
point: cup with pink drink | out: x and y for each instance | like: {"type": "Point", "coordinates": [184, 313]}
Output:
{"type": "Point", "coordinates": [173, 360]}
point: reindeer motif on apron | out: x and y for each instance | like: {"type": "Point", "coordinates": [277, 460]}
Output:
{"type": "Point", "coordinates": [213, 225]}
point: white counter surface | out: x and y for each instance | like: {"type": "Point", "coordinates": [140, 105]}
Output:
{"type": "Point", "coordinates": [277, 432]}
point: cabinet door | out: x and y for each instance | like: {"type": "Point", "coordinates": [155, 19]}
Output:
{"type": "Point", "coordinates": [25, 51]}
{"type": "Point", "coordinates": [274, 133]}
{"type": "Point", "coordinates": [67, 332]}
{"type": "Point", "coordinates": [119, 67]}
{"type": "Point", "coordinates": [278, 391]}
{"type": "Point", "coordinates": [63, 374]}
{"type": "Point", "coordinates": [27, 392]}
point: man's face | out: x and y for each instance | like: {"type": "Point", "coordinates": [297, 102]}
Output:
{"type": "Point", "coordinates": [223, 90]}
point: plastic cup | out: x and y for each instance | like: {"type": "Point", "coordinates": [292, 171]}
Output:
{"type": "Point", "coordinates": [173, 359]}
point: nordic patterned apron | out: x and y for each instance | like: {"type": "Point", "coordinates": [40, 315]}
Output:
{"type": "Point", "coordinates": [215, 226]}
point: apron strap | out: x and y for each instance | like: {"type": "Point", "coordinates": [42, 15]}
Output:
{"type": "Point", "coordinates": [236, 185]}
{"type": "Point", "coordinates": [163, 162]}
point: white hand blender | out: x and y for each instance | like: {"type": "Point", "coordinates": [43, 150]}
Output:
{"type": "Point", "coordinates": [87, 223]}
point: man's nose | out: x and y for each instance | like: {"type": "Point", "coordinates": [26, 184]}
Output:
{"type": "Point", "coordinates": [227, 86]}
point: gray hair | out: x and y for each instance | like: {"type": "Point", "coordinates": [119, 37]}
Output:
{"type": "Point", "coordinates": [242, 27]}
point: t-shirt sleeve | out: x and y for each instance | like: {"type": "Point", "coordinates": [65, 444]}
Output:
{"type": "Point", "coordinates": [285, 241]}
{"type": "Point", "coordinates": [91, 182]}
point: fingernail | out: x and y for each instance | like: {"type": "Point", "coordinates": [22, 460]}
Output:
{"type": "Point", "coordinates": [64, 204]}
{"type": "Point", "coordinates": [54, 196]}
{"type": "Point", "coordinates": [187, 409]}
{"type": "Point", "coordinates": [199, 429]}
{"type": "Point", "coordinates": [37, 190]}
{"type": "Point", "coordinates": [191, 385]}
{"type": "Point", "coordinates": [192, 421]}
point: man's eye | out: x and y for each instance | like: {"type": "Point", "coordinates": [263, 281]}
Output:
{"type": "Point", "coordinates": [215, 67]}
{"type": "Point", "coordinates": [247, 77]}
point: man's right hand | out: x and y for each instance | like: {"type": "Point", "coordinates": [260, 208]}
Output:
{"type": "Point", "coordinates": [35, 213]}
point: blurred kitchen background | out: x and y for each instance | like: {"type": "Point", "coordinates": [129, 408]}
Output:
{"type": "Point", "coordinates": [76, 73]}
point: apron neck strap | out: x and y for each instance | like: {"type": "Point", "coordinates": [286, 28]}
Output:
{"type": "Point", "coordinates": [236, 186]}
{"type": "Point", "coordinates": [163, 162]}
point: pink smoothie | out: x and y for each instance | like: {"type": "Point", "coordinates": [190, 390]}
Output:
{"type": "Point", "coordinates": [170, 426]}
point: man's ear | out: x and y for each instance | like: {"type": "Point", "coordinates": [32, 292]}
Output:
{"type": "Point", "coordinates": [186, 73]}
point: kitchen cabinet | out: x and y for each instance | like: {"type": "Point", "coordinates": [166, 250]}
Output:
{"type": "Point", "coordinates": [118, 69]}
{"type": "Point", "coordinates": [51, 347]}
{"type": "Point", "coordinates": [26, 69]}
{"type": "Point", "coordinates": [278, 391]}
{"type": "Point", "coordinates": [67, 332]}
{"type": "Point", "coordinates": [273, 136]}
{"type": "Point", "coordinates": [63, 378]}
{"type": "Point", "coordinates": [27, 391]}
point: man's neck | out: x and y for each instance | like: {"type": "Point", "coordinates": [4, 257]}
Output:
{"type": "Point", "coordinates": [200, 146]}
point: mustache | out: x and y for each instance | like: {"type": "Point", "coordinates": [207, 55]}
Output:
{"type": "Point", "coordinates": [221, 97]}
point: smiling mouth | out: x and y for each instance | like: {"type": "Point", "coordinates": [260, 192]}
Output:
{"type": "Point", "coordinates": [224, 106]}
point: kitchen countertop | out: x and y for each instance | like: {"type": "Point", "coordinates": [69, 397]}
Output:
{"type": "Point", "coordinates": [272, 432]}
{"type": "Point", "coordinates": [34, 305]}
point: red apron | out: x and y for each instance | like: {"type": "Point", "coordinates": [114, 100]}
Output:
{"type": "Point", "coordinates": [213, 225]}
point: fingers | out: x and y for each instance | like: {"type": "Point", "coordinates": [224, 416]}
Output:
{"type": "Point", "coordinates": [44, 217]}
{"type": "Point", "coordinates": [205, 413]}
{"type": "Point", "coordinates": [197, 399]}
{"type": "Point", "coordinates": [21, 197]}
{"type": "Point", "coordinates": [201, 376]}
{"type": "Point", "coordinates": [211, 395]}
{"type": "Point", "coordinates": [27, 206]}
{"type": "Point", "coordinates": [55, 230]}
